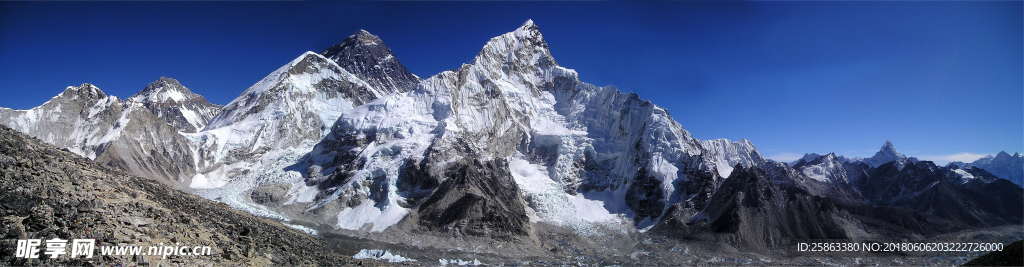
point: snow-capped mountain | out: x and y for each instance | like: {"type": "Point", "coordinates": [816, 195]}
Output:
{"type": "Point", "coordinates": [728, 154]}
{"type": "Point", "coordinates": [176, 104]}
{"type": "Point", "coordinates": [283, 114]}
{"type": "Point", "coordinates": [828, 168]}
{"type": "Point", "coordinates": [1002, 165]}
{"type": "Point", "coordinates": [123, 134]}
{"type": "Point", "coordinates": [579, 154]}
{"type": "Point", "coordinates": [81, 118]}
{"type": "Point", "coordinates": [259, 135]}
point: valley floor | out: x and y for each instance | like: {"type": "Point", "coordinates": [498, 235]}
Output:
{"type": "Point", "coordinates": [639, 249]}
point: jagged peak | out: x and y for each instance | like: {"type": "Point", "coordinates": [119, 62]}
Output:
{"type": "Point", "coordinates": [361, 38]}
{"type": "Point", "coordinates": [85, 89]}
{"type": "Point", "coordinates": [528, 23]}
{"type": "Point", "coordinates": [529, 27]}
{"type": "Point", "coordinates": [526, 36]}
{"type": "Point", "coordinates": [888, 150]}
{"type": "Point", "coordinates": [1002, 154]}
{"type": "Point", "coordinates": [888, 146]}
{"type": "Point", "coordinates": [886, 154]}
{"type": "Point", "coordinates": [365, 38]}
{"type": "Point", "coordinates": [166, 80]}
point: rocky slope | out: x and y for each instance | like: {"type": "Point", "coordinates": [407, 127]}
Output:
{"type": "Point", "coordinates": [51, 193]}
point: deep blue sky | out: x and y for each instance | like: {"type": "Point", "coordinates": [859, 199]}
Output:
{"type": "Point", "coordinates": [935, 78]}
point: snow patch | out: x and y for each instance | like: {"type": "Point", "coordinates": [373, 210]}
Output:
{"type": "Point", "coordinates": [381, 255]}
{"type": "Point", "coordinates": [964, 175]}
{"type": "Point", "coordinates": [302, 228]}
{"type": "Point", "coordinates": [369, 216]}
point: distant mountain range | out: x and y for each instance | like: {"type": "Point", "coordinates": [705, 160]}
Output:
{"type": "Point", "coordinates": [1003, 165]}
{"type": "Point", "coordinates": [350, 139]}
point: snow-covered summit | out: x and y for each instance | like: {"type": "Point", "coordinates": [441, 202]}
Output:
{"type": "Point", "coordinates": [171, 101]}
{"type": "Point", "coordinates": [727, 154]}
{"type": "Point", "coordinates": [827, 168]}
{"type": "Point", "coordinates": [80, 118]}
{"type": "Point", "coordinates": [164, 89]}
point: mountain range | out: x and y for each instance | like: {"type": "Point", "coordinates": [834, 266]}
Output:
{"type": "Point", "coordinates": [505, 147]}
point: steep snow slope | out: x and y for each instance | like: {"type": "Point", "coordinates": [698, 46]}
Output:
{"type": "Point", "coordinates": [279, 117]}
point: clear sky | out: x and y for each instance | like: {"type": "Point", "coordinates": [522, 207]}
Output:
{"type": "Point", "coordinates": [939, 79]}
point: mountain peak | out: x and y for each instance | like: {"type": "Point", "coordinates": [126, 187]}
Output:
{"type": "Point", "coordinates": [528, 30]}
{"type": "Point", "coordinates": [884, 155]}
{"type": "Point", "coordinates": [363, 37]}
{"type": "Point", "coordinates": [524, 47]}
{"type": "Point", "coordinates": [888, 147]}
{"type": "Point", "coordinates": [164, 89]}
{"type": "Point", "coordinates": [528, 26]}
{"type": "Point", "coordinates": [365, 55]}
{"type": "Point", "coordinates": [86, 90]}
{"type": "Point", "coordinates": [1003, 154]}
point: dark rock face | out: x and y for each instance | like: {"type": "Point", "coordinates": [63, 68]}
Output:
{"type": "Point", "coordinates": [645, 196]}
{"type": "Point", "coordinates": [479, 199]}
{"type": "Point", "coordinates": [752, 210]}
{"type": "Point", "coordinates": [366, 56]}
{"type": "Point", "coordinates": [48, 193]}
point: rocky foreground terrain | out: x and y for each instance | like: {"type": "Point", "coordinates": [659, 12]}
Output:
{"type": "Point", "coordinates": [46, 192]}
